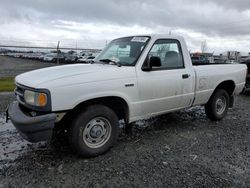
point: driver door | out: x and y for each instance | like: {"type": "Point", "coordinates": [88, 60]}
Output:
{"type": "Point", "coordinates": [168, 87]}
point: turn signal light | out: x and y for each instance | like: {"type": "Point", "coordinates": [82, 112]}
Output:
{"type": "Point", "coordinates": [42, 99]}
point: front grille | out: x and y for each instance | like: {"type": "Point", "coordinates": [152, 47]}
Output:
{"type": "Point", "coordinates": [19, 92]}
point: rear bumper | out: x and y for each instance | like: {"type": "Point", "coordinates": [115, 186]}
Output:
{"type": "Point", "coordinates": [33, 129]}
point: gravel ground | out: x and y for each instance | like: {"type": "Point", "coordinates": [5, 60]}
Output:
{"type": "Point", "coordinates": [182, 149]}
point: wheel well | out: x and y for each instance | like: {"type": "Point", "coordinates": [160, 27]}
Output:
{"type": "Point", "coordinates": [117, 104]}
{"type": "Point", "coordinates": [229, 86]}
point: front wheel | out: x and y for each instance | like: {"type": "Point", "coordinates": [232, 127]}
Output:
{"type": "Point", "coordinates": [94, 131]}
{"type": "Point", "coordinates": [217, 106]}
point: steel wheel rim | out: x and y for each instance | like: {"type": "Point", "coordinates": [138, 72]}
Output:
{"type": "Point", "coordinates": [221, 105]}
{"type": "Point", "coordinates": [97, 132]}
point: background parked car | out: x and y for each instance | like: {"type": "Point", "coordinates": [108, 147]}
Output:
{"type": "Point", "coordinates": [71, 56]}
{"type": "Point", "coordinates": [87, 58]}
{"type": "Point", "coordinates": [52, 57]}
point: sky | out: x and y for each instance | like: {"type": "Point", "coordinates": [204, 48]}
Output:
{"type": "Point", "coordinates": [224, 25]}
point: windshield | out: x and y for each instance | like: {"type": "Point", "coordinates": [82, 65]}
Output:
{"type": "Point", "coordinates": [124, 51]}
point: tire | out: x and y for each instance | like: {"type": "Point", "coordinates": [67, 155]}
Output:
{"type": "Point", "coordinates": [218, 105]}
{"type": "Point", "coordinates": [94, 131]}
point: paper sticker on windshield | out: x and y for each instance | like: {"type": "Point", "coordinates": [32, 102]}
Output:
{"type": "Point", "coordinates": [139, 39]}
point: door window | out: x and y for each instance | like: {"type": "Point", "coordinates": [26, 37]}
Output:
{"type": "Point", "coordinates": [169, 52]}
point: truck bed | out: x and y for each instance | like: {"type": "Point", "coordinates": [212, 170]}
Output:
{"type": "Point", "coordinates": [210, 76]}
{"type": "Point", "coordinates": [198, 64]}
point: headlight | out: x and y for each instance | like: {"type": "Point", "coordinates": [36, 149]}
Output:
{"type": "Point", "coordinates": [35, 98]}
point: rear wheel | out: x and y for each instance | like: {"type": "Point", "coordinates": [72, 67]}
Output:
{"type": "Point", "coordinates": [218, 104]}
{"type": "Point", "coordinates": [94, 131]}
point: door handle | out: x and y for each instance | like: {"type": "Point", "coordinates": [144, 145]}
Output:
{"type": "Point", "coordinates": [185, 76]}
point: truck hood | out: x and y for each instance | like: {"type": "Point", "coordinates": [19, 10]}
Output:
{"type": "Point", "coordinates": [73, 74]}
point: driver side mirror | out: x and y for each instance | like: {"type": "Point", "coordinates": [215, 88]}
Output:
{"type": "Point", "coordinates": [153, 61]}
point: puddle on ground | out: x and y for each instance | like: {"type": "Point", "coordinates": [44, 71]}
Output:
{"type": "Point", "coordinates": [11, 143]}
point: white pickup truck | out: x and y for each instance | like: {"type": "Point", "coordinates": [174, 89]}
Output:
{"type": "Point", "coordinates": [133, 78]}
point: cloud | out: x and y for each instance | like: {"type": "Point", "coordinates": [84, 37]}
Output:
{"type": "Point", "coordinates": [240, 5]}
{"type": "Point", "coordinates": [102, 20]}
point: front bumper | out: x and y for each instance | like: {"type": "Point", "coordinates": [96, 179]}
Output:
{"type": "Point", "coordinates": [33, 129]}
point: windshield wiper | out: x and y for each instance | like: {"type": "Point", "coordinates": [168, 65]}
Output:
{"type": "Point", "coordinates": [110, 61]}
